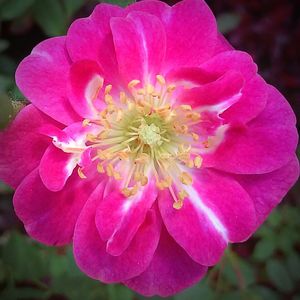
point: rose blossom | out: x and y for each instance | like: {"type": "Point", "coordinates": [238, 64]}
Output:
{"type": "Point", "coordinates": [150, 143]}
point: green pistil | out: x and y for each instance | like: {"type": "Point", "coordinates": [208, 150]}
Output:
{"type": "Point", "coordinates": [150, 135]}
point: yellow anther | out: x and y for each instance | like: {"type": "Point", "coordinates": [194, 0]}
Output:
{"type": "Point", "coordinates": [85, 122]}
{"type": "Point", "coordinates": [198, 161]}
{"type": "Point", "coordinates": [117, 175]}
{"type": "Point", "coordinates": [91, 138]}
{"type": "Point", "coordinates": [144, 180]}
{"type": "Point", "coordinates": [108, 99]}
{"type": "Point", "coordinates": [80, 173]}
{"type": "Point", "coordinates": [123, 155]}
{"type": "Point", "coordinates": [194, 116]}
{"type": "Point", "coordinates": [133, 83]}
{"type": "Point", "coordinates": [195, 136]}
{"type": "Point", "coordinates": [182, 195]}
{"type": "Point", "coordinates": [141, 92]}
{"type": "Point", "coordinates": [149, 89]}
{"type": "Point", "coordinates": [186, 178]}
{"type": "Point", "coordinates": [186, 107]}
{"type": "Point", "coordinates": [126, 192]}
{"type": "Point", "coordinates": [142, 158]}
{"type": "Point", "coordinates": [103, 134]}
{"type": "Point", "coordinates": [178, 204]}
{"type": "Point", "coordinates": [108, 89]}
{"type": "Point", "coordinates": [123, 98]}
{"type": "Point", "coordinates": [190, 164]}
{"type": "Point", "coordinates": [100, 168]}
{"type": "Point", "coordinates": [171, 88]}
{"type": "Point", "coordinates": [160, 79]}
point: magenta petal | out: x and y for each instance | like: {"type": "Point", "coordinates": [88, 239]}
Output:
{"type": "Point", "coordinates": [224, 89]}
{"type": "Point", "coordinates": [50, 217]}
{"type": "Point", "coordinates": [222, 44]}
{"type": "Point", "coordinates": [217, 211]}
{"type": "Point", "coordinates": [231, 60]}
{"type": "Point", "coordinates": [42, 78]}
{"type": "Point", "coordinates": [85, 84]}
{"type": "Point", "coordinates": [90, 38]}
{"type": "Point", "coordinates": [194, 230]}
{"type": "Point", "coordinates": [125, 217]}
{"type": "Point", "coordinates": [56, 167]}
{"type": "Point", "coordinates": [22, 145]}
{"type": "Point", "coordinates": [252, 102]}
{"type": "Point", "coordinates": [136, 39]}
{"type": "Point", "coordinates": [267, 190]}
{"type": "Point", "coordinates": [154, 7]}
{"type": "Point", "coordinates": [90, 250]}
{"type": "Point", "coordinates": [267, 143]}
{"type": "Point", "coordinates": [171, 270]}
{"type": "Point", "coordinates": [191, 34]}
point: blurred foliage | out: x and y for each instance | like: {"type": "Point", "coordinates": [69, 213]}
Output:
{"type": "Point", "coordinates": [29, 270]}
{"type": "Point", "coordinates": [267, 267]}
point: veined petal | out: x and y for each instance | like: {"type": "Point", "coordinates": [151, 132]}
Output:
{"type": "Point", "coordinates": [193, 43]}
{"type": "Point", "coordinates": [125, 217]}
{"type": "Point", "coordinates": [226, 89]}
{"type": "Point", "coordinates": [267, 190]}
{"type": "Point", "coordinates": [90, 38]}
{"type": "Point", "coordinates": [22, 145]}
{"type": "Point", "coordinates": [85, 84]}
{"type": "Point", "coordinates": [90, 250]}
{"type": "Point", "coordinates": [265, 144]}
{"type": "Point", "coordinates": [170, 270]}
{"type": "Point", "coordinates": [42, 78]}
{"type": "Point", "coordinates": [65, 153]}
{"type": "Point", "coordinates": [45, 221]}
{"type": "Point", "coordinates": [140, 45]}
{"type": "Point", "coordinates": [217, 211]}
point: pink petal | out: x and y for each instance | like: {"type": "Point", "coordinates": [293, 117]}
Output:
{"type": "Point", "coordinates": [136, 39]}
{"type": "Point", "coordinates": [217, 211]}
{"type": "Point", "coordinates": [227, 88]}
{"type": "Point", "coordinates": [251, 104]}
{"type": "Point", "coordinates": [222, 44]}
{"type": "Point", "coordinates": [56, 167]}
{"type": "Point", "coordinates": [90, 250]}
{"type": "Point", "coordinates": [125, 217]}
{"type": "Point", "coordinates": [267, 190]}
{"type": "Point", "coordinates": [22, 145]}
{"type": "Point", "coordinates": [231, 60]}
{"type": "Point", "coordinates": [50, 217]}
{"type": "Point", "coordinates": [85, 83]}
{"type": "Point", "coordinates": [90, 38]}
{"type": "Point", "coordinates": [154, 7]}
{"type": "Point", "coordinates": [171, 270]}
{"type": "Point", "coordinates": [68, 150]}
{"type": "Point", "coordinates": [42, 78]}
{"type": "Point", "coordinates": [264, 145]}
{"type": "Point", "coordinates": [194, 42]}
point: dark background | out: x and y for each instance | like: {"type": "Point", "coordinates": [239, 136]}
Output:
{"type": "Point", "coordinates": [265, 267]}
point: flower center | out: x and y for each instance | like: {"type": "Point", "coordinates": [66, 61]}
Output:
{"type": "Point", "coordinates": [150, 135]}
{"type": "Point", "coordinates": [145, 134]}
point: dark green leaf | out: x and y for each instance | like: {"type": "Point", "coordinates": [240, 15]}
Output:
{"type": "Point", "coordinates": [264, 249]}
{"type": "Point", "coordinates": [279, 275]}
{"type": "Point", "coordinates": [72, 6]}
{"type": "Point", "coordinates": [228, 22]}
{"type": "Point", "coordinates": [293, 265]}
{"type": "Point", "coordinates": [4, 44]}
{"type": "Point", "coordinates": [265, 293]}
{"type": "Point", "coordinates": [11, 9]}
{"type": "Point", "coordinates": [199, 291]}
{"type": "Point", "coordinates": [50, 16]}
{"type": "Point", "coordinates": [119, 2]}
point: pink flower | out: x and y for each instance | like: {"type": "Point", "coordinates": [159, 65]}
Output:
{"type": "Point", "coordinates": [150, 143]}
